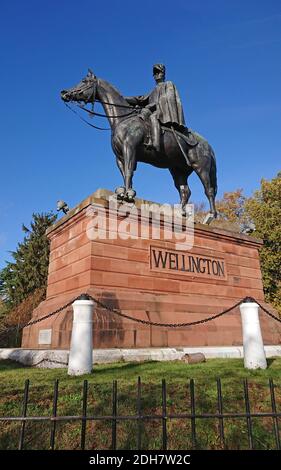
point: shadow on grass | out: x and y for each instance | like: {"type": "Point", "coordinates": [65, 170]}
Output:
{"type": "Point", "coordinates": [128, 366]}
{"type": "Point", "coordinates": [270, 361]}
{"type": "Point", "coordinates": [7, 364]}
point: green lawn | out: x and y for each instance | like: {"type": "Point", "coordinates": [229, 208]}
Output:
{"type": "Point", "coordinates": [177, 376]}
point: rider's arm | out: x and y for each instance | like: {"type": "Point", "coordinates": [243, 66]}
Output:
{"type": "Point", "coordinates": [141, 100]}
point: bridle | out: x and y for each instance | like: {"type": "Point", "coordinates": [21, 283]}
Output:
{"type": "Point", "coordinates": [92, 99]}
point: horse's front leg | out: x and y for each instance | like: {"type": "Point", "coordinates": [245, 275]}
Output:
{"type": "Point", "coordinates": [120, 191]}
{"type": "Point", "coordinates": [129, 153]}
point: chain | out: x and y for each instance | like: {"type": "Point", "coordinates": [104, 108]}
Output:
{"type": "Point", "coordinates": [50, 314]}
{"type": "Point", "coordinates": [167, 325]}
{"type": "Point", "coordinates": [138, 320]}
{"type": "Point", "coordinates": [267, 311]}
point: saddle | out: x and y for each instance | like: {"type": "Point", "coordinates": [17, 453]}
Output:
{"type": "Point", "coordinates": [185, 133]}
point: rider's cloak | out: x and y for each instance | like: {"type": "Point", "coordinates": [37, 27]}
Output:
{"type": "Point", "coordinates": [167, 102]}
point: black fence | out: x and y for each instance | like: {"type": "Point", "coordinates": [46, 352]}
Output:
{"type": "Point", "coordinates": [114, 419]}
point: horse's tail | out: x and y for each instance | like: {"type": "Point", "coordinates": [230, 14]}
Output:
{"type": "Point", "coordinates": [213, 171]}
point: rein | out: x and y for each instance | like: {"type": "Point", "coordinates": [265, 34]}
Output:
{"type": "Point", "coordinates": [93, 113]}
{"type": "Point", "coordinates": [116, 105]}
{"type": "Point", "coordinates": [84, 120]}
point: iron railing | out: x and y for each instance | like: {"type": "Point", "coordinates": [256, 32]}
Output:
{"type": "Point", "coordinates": [115, 419]}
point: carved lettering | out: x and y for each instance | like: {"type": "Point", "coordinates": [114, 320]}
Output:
{"type": "Point", "coordinates": [160, 257]}
{"type": "Point", "coordinates": [173, 261]}
{"type": "Point", "coordinates": [195, 265]}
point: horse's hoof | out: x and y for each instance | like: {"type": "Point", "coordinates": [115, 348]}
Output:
{"type": "Point", "coordinates": [130, 195]}
{"type": "Point", "coordinates": [208, 218]}
{"type": "Point", "coordinates": [120, 192]}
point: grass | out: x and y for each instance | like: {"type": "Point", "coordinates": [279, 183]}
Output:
{"type": "Point", "coordinates": [176, 374]}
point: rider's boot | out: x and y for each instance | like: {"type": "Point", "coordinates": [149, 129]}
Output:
{"type": "Point", "coordinates": [155, 132]}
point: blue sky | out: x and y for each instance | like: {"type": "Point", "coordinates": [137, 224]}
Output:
{"type": "Point", "coordinates": [223, 56]}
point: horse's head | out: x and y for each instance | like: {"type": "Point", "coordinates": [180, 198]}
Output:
{"type": "Point", "coordinates": [85, 90]}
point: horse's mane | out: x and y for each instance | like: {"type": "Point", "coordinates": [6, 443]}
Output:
{"type": "Point", "coordinates": [113, 89]}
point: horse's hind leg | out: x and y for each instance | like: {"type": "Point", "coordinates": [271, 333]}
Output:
{"type": "Point", "coordinates": [180, 180]}
{"type": "Point", "coordinates": [204, 174]}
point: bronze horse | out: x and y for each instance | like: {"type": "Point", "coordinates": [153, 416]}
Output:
{"type": "Point", "coordinates": [130, 134]}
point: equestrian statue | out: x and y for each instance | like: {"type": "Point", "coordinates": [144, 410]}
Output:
{"type": "Point", "coordinates": [150, 129]}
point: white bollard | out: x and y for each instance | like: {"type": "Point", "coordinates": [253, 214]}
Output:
{"type": "Point", "coordinates": [81, 349]}
{"type": "Point", "coordinates": [254, 354]}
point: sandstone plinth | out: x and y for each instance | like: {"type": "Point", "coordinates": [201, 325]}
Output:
{"type": "Point", "coordinates": [149, 279]}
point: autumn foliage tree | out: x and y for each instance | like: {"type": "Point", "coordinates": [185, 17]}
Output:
{"type": "Point", "coordinates": [230, 208]}
{"type": "Point", "coordinates": [262, 211]}
{"type": "Point", "coordinates": [264, 208]}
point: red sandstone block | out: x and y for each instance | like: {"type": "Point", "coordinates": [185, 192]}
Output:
{"type": "Point", "coordinates": [116, 266]}
{"type": "Point", "coordinates": [176, 337]}
{"type": "Point", "coordinates": [243, 271]}
{"type": "Point", "coordinates": [69, 230]}
{"type": "Point", "coordinates": [71, 257]}
{"type": "Point", "coordinates": [56, 289]}
{"type": "Point", "coordinates": [138, 255]}
{"type": "Point", "coordinates": [224, 249]}
{"type": "Point", "coordinates": [171, 303]}
{"type": "Point", "coordinates": [221, 243]}
{"type": "Point", "coordinates": [117, 244]}
{"type": "Point", "coordinates": [159, 337]}
{"type": "Point", "coordinates": [77, 229]}
{"type": "Point", "coordinates": [115, 279]}
{"type": "Point", "coordinates": [125, 338]}
{"type": "Point", "coordinates": [70, 246]}
{"type": "Point", "coordinates": [111, 250]}
{"type": "Point", "coordinates": [98, 249]}
{"type": "Point", "coordinates": [242, 261]}
{"type": "Point", "coordinates": [81, 266]}
{"type": "Point", "coordinates": [80, 280]}
{"type": "Point", "coordinates": [165, 285]}
{"type": "Point", "coordinates": [140, 282]}
{"type": "Point", "coordinates": [60, 275]}
{"type": "Point", "coordinates": [209, 245]}
{"type": "Point", "coordinates": [96, 278]}
{"type": "Point", "coordinates": [245, 282]}
{"type": "Point", "coordinates": [102, 264]}
{"type": "Point", "coordinates": [60, 239]}
{"type": "Point", "coordinates": [142, 338]}
{"type": "Point", "coordinates": [223, 290]}
{"type": "Point", "coordinates": [69, 284]}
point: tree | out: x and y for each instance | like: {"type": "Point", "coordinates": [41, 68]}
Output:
{"type": "Point", "coordinates": [230, 211]}
{"type": "Point", "coordinates": [264, 209]}
{"type": "Point", "coordinates": [231, 206]}
{"type": "Point", "coordinates": [29, 269]}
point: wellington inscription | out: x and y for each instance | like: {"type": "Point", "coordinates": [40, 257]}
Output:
{"type": "Point", "coordinates": [182, 262]}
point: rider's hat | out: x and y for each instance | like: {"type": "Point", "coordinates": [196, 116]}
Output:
{"type": "Point", "coordinates": [158, 68]}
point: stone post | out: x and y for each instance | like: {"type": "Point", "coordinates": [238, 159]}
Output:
{"type": "Point", "coordinates": [81, 348]}
{"type": "Point", "coordinates": [254, 354]}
